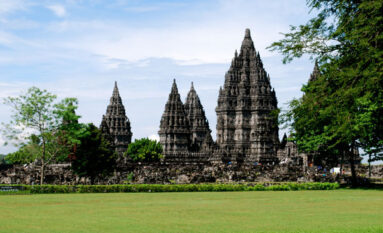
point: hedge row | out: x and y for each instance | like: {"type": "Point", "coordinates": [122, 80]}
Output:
{"type": "Point", "coordinates": [179, 188]}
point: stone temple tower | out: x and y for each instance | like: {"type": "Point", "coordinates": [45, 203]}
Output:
{"type": "Point", "coordinates": [246, 113]}
{"type": "Point", "coordinates": [199, 125]}
{"type": "Point", "coordinates": [315, 74]}
{"type": "Point", "coordinates": [174, 128]}
{"type": "Point", "coordinates": [116, 124]}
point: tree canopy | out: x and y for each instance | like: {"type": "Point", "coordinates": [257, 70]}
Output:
{"type": "Point", "coordinates": [44, 130]}
{"type": "Point", "coordinates": [94, 156]}
{"type": "Point", "coordinates": [343, 107]}
{"type": "Point", "coordinates": [145, 149]}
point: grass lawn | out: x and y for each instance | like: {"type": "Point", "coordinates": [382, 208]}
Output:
{"type": "Point", "coordinates": [294, 211]}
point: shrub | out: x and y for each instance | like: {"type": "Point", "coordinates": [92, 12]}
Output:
{"type": "Point", "coordinates": [128, 188]}
{"type": "Point", "coordinates": [145, 149]}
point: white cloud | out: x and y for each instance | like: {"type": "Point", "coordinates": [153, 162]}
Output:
{"type": "Point", "coordinates": [209, 37]}
{"type": "Point", "coordinates": [154, 137]}
{"type": "Point", "coordinates": [8, 6]}
{"type": "Point", "coordinates": [142, 9]}
{"type": "Point", "coordinates": [82, 56]}
{"type": "Point", "coordinates": [58, 10]}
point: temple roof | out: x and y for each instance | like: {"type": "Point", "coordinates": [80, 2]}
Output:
{"type": "Point", "coordinates": [315, 74]}
{"type": "Point", "coordinates": [247, 42]}
{"type": "Point", "coordinates": [115, 123]}
{"type": "Point", "coordinates": [115, 106]}
{"type": "Point", "coordinates": [247, 84]}
{"type": "Point", "coordinates": [174, 117]}
{"type": "Point", "coordinates": [195, 112]}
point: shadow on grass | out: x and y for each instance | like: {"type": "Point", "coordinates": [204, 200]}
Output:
{"type": "Point", "coordinates": [369, 186]}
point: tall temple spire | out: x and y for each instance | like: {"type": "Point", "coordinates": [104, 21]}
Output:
{"type": "Point", "coordinates": [174, 87]}
{"type": "Point", "coordinates": [315, 74]}
{"type": "Point", "coordinates": [247, 33]}
{"type": "Point", "coordinates": [116, 124]}
{"type": "Point", "coordinates": [247, 42]}
{"type": "Point", "coordinates": [174, 127]}
{"type": "Point", "coordinates": [199, 125]}
{"type": "Point", "coordinates": [245, 124]}
{"type": "Point", "coordinates": [116, 93]}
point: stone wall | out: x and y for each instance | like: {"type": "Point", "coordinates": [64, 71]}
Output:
{"type": "Point", "coordinates": [30, 174]}
{"type": "Point", "coordinates": [159, 173]}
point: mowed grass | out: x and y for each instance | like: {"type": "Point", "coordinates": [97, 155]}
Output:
{"type": "Point", "coordinates": [293, 211]}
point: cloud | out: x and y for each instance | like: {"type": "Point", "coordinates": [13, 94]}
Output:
{"type": "Point", "coordinates": [83, 53]}
{"type": "Point", "coordinates": [58, 10]}
{"type": "Point", "coordinates": [9, 6]}
{"type": "Point", "coordinates": [154, 137]}
{"type": "Point", "coordinates": [201, 35]}
{"type": "Point", "coordinates": [142, 9]}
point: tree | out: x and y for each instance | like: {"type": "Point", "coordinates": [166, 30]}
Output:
{"type": "Point", "coordinates": [24, 155]}
{"type": "Point", "coordinates": [343, 108]}
{"type": "Point", "coordinates": [145, 149]}
{"type": "Point", "coordinates": [37, 127]}
{"type": "Point", "coordinates": [94, 156]}
{"type": "Point", "coordinates": [3, 159]}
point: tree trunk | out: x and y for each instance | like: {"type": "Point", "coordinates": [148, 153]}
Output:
{"type": "Point", "coordinates": [341, 166]}
{"type": "Point", "coordinates": [42, 173]}
{"type": "Point", "coordinates": [369, 165]}
{"type": "Point", "coordinates": [42, 164]}
{"type": "Point", "coordinates": [341, 163]}
{"type": "Point", "coordinates": [352, 165]}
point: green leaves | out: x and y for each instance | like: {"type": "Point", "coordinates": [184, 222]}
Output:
{"type": "Point", "coordinates": [145, 149]}
{"type": "Point", "coordinates": [344, 106]}
{"type": "Point", "coordinates": [94, 156]}
{"type": "Point", "coordinates": [43, 129]}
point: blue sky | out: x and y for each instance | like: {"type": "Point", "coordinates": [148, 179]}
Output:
{"type": "Point", "coordinates": [78, 48]}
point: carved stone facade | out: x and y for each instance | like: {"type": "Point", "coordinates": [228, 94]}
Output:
{"type": "Point", "coordinates": [315, 74]}
{"type": "Point", "coordinates": [247, 146]}
{"type": "Point", "coordinates": [247, 127]}
{"type": "Point", "coordinates": [115, 125]}
{"type": "Point", "coordinates": [247, 109]}
{"type": "Point", "coordinates": [184, 130]}
{"type": "Point", "coordinates": [199, 125]}
{"type": "Point", "coordinates": [174, 128]}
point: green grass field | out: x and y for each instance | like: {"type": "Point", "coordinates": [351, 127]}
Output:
{"type": "Point", "coordinates": [293, 211]}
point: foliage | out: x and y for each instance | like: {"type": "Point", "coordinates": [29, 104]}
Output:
{"type": "Point", "coordinates": [94, 157]}
{"type": "Point", "coordinates": [145, 149]}
{"type": "Point", "coordinates": [343, 108]}
{"type": "Point", "coordinates": [26, 154]}
{"type": "Point", "coordinates": [37, 127]}
{"type": "Point", "coordinates": [3, 159]}
{"type": "Point", "coordinates": [129, 178]}
{"type": "Point", "coordinates": [289, 186]}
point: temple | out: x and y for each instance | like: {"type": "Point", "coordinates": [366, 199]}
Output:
{"type": "Point", "coordinates": [247, 113]}
{"type": "Point", "coordinates": [200, 132]}
{"type": "Point", "coordinates": [115, 124]}
{"type": "Point", "coordinates": [247, 119]}
{"type": "Point", "coordinates": [174, 127]}
{"type": "Point", "coordinates": [315, 74]}
{"type": "Point", "coordinates": [247, 146]}
{"type": "Point", "coordinates": [247, 127]}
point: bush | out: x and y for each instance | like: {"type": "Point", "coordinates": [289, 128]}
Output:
{"type": "Point", "coordinates": [127, 188]}
{"type": "Point", "coordinates": [144, 149]}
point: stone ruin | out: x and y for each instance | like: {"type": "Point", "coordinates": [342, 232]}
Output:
{"type": "Point", "coordinates": [247, 124]}
{"type": "Point", "coordinates": [115, 124]}
{"type": "Point", "coordinates": [247, 146]}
